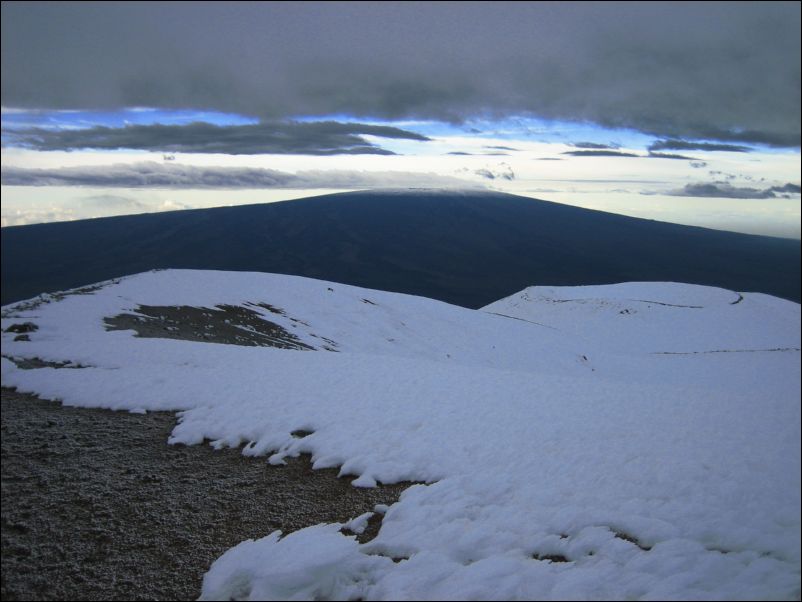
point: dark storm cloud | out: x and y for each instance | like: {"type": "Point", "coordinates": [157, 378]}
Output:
{"type": "Point", "coordinates": [670, 156]}
{"type": "Point", "coordinates": [149, 174]}
{"type": "Point", "coordinates": [776, 139]}
{"type": "Point", "coordinates": [725, 71]}
{"type": "Point", "coordinates": [725, 190]}
{"type": "Point", "coordinates": [599, 153]}
{"type": "Point", "coordinates": [703, 146]}
{"type": "Point", "coordinates": [317, 138]}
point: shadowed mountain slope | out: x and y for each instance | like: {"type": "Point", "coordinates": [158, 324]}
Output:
{"type": "Point", "coordinates": [466, 248]}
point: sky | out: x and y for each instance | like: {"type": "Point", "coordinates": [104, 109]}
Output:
{"type": "Point", "coordinates": [681, 112]}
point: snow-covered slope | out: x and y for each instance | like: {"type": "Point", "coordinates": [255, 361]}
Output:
{"type": "Point", "coordinates": [626, 441]}
{"type": "Point", "coordinates": [658, 317]}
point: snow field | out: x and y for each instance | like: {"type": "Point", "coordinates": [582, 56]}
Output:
{"type": "Point", "coordinates": [568, 459]}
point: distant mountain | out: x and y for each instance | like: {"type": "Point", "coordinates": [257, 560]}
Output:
{"type": "Point", "coordinates": [465, 248]}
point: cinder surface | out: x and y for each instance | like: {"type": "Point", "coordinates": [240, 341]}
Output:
{"type": "Point", "coordinates": [229, 324]}
{"type": "Point", "coordinates": [97, 506]}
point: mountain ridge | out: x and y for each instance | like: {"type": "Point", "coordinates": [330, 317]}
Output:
{"type": "Point", "coordinates": [468, 248]}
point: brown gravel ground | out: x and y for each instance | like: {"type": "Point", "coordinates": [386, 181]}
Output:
{"type": "Point", "coordinates": [97, 506]}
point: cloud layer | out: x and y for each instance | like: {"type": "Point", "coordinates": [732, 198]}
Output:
{"type": "Point", "coordinates": [149, 174]}
{"type": "Point", "coordinates": [316, 138]}
{"type": "Point", "coordinates": [724, 190]}
{"type": "Point", "coordinates": [660, 145]}
{"type": "Point", "coordinates": [600, 153]}
{"type": "Point", "coordinates": [722, 71]}
{"type": "Point", "coordinates": [501, 171]}
{"type": "Point", "coordinates": [594, 145]}
{"type": "Point", "coordinates": [654, 155]}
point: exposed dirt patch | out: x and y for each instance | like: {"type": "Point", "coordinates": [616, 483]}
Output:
{"type": "Point", "coordinates": [97, 506]}
{"type": "Point", "coordinates": [23, 327]}
{"type": "Point", "coordinates": [631, 539]}
{"type": "Point", "coordinates": [230, 324]}
{"type": "Point", "coordinates": [724, 351]}
{"type": "Point", "coordinates": [31, 363]}
{"type": "Point", "coordinates": [550, 557]}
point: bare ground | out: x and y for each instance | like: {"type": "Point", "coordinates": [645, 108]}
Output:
{"type": "Point", "coordinates": [97, 506]}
